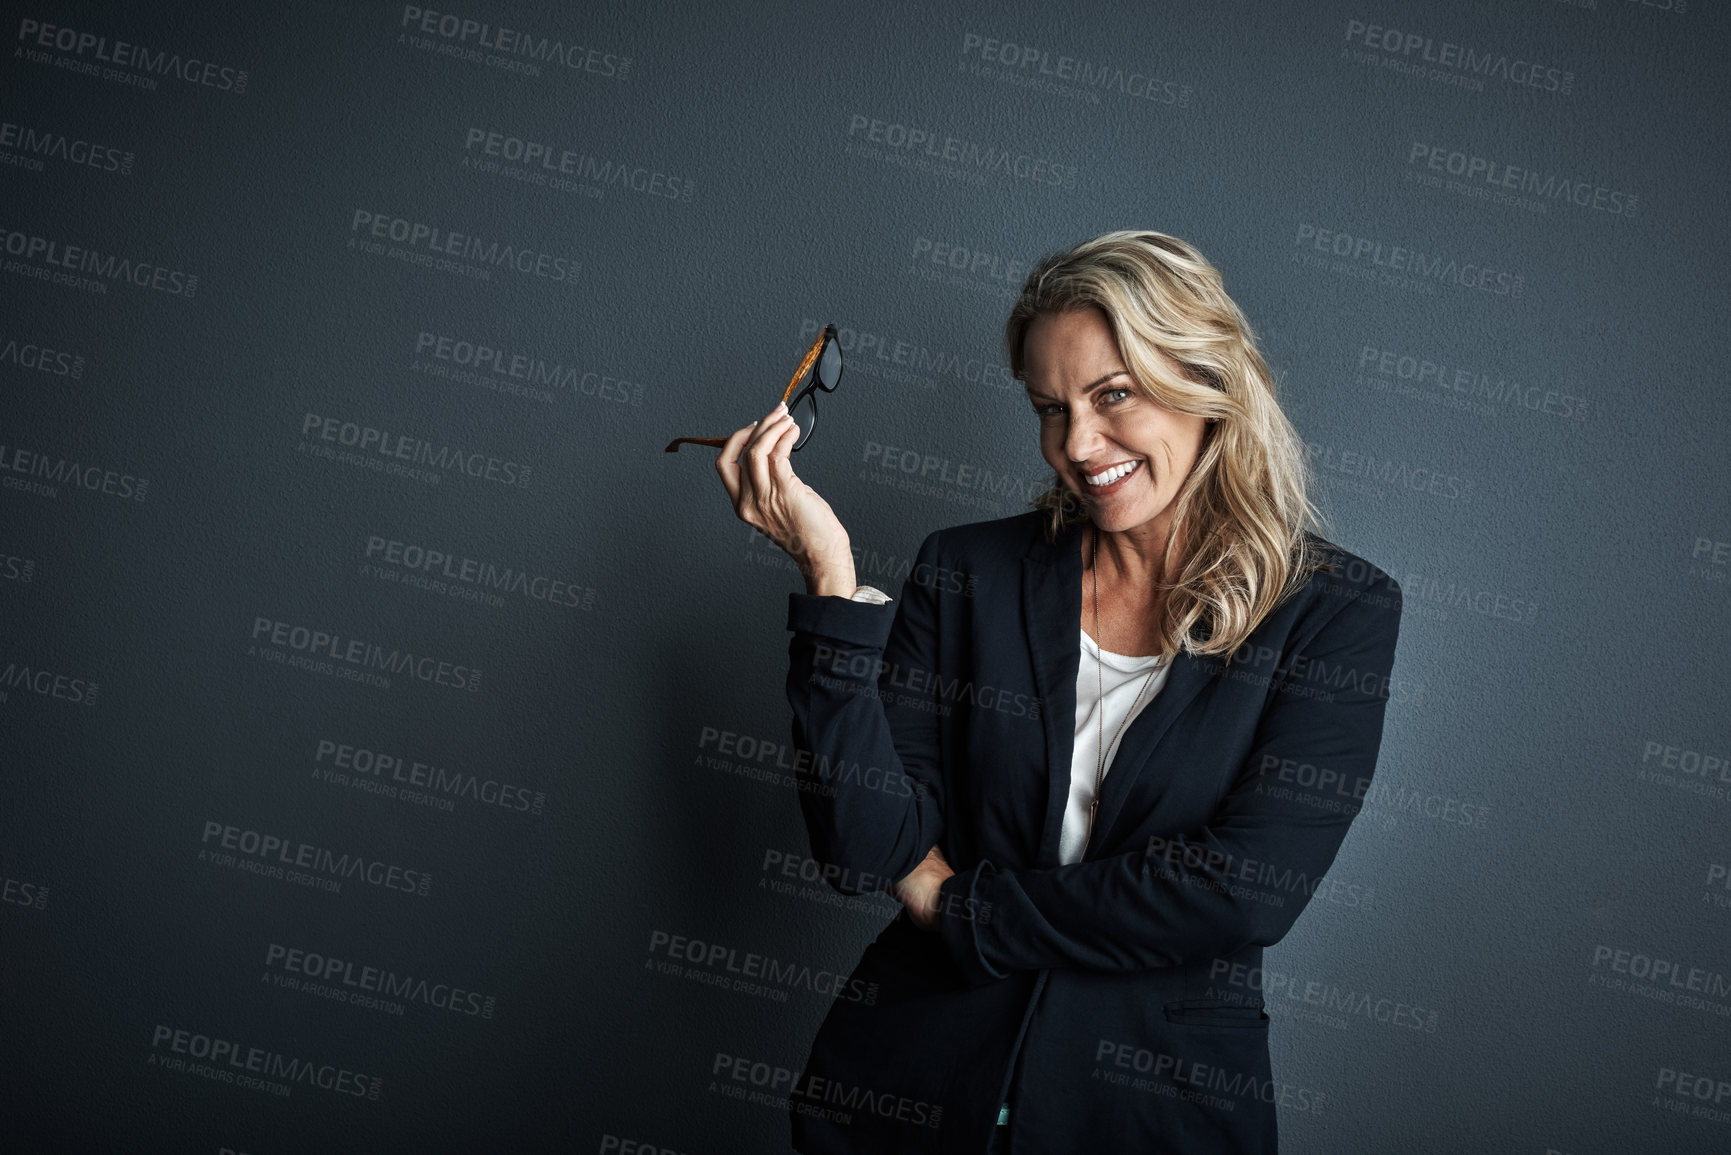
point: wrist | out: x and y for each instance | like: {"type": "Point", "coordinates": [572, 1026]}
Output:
{"type": "Point", "coordinates": [832, 579]}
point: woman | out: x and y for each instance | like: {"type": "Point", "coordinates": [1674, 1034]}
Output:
{"type": "Point", "coordinates": [1077, 963]}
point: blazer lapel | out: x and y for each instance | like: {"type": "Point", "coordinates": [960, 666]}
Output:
{"type": "Point", "coordinates": [1187, 678]}
{"type": "Point", "coordinates": [1051, 613]}
{"type": "Point", "coordinates": [1051, 621]}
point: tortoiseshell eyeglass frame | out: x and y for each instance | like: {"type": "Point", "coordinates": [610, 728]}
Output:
{"type": "Point", "coordinates": [807, 396]}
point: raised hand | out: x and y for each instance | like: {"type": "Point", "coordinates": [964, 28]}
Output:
{"type": "Point", "coordinates": [768, 496]}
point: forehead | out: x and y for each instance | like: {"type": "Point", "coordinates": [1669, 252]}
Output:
{"type": "Point", "coordinates": [1076, 350]}
{"type": "Point", "coordinates": [1069, 349]}
{"type": "Point", "coordinates": [1081, 329]}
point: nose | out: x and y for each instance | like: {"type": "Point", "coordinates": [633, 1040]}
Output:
{"type": "Point", "coordinates": [1086, 435]}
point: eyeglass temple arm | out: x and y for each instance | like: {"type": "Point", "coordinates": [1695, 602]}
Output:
{"type": "Point", "coordinates": [805, 364]}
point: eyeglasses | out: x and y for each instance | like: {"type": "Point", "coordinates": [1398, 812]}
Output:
{"type": "Point", "coordinates": [820, 368]}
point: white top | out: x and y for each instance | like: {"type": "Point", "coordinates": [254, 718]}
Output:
{"type": "Point", "coordinates": [1121, 676]}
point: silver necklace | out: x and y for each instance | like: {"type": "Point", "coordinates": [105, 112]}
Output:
{"type": "Point", "coordinates": [1100, 696]}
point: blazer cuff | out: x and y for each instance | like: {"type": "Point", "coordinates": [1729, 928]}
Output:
{"type": "Point", "coordinates": [961, 912]}
{"type": "Point", "coordinates": [857, 623]}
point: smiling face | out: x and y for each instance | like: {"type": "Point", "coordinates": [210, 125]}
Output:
{"type": "Point", "coordinates": [1095, 427]}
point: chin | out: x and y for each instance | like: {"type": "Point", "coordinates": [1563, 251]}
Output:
{"type": "Point", "coordinates": [1117, 517]}
{"type": "Point", "coordinates": [1117, 522]}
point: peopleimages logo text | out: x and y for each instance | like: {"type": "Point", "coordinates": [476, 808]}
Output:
{"type": "Point", "coordinates": [32, 142]}
{"type": "Point", "coordinates": [53, 471]}
{"type": "Point", "coordinates": [940, 146]}
{"type": "Point", "coordinates": [423, 237]}
{"type": "Point", "coordinates": [362, 763]}
{"type": "Point", "coordinates": [27, 354]}
{"type": "Point", "coordinates": [47, 683]}
{"type": "Point", "coordinates": [105, 267]}
{"type": "Point", "coordinates": [468, 570]}
{"type": "Point", "coordinates": [514, 42]}
{"type": "Point", "coordinates": [320, 967]}
{"type": "Point", "coordinates": [508, 371]}
{"type": "Point", "coordinates": [1459, 58]}
{"type": "Point", "coordinates": [321, 859]}
{"type": "Point", "coordinates": [358, 652]}
{"type": "Point", "coordinates": [263, 1063]}
{"type": "Point", "coordinates": [317, 427]}
{"type": "Point", "coordinates": [555, 159]}
{"type": "Point", "coordinates": [1546, 186]}
{"type": "Point", "coordinates": [121, 54]}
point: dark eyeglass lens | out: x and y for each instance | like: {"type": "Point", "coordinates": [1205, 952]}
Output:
{"type": "Point", "coordinates": [829, 366]}
{"type": "Point", "coordinates": [804, 414]}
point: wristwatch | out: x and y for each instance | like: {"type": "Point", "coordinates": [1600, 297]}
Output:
{"type": "Point", "coordinates": [871, 594]}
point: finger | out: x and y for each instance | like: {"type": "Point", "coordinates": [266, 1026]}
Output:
{"type": "Point", "coordinates": [753, 484]}
{"type": "Point", "coordinates": [728, 465]}
{"type": "Point", "coordinates": [781, 454]}
{"type": "Point", "coordinates": [770, 433]}
{"type": "Point", "coordinates": [767, 425]}
{"type": "Point", "coordinates": [778, 452]}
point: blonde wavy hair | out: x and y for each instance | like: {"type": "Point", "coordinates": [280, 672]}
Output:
{"type": "Point", "coordinates": [1244, 510]}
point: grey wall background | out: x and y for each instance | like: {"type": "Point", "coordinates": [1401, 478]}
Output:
{"type": "Point", "coordinates": [1524, 948]}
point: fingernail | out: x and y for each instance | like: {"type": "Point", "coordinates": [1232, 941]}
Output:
{"type": "Point", "coordinates": [781, 406]}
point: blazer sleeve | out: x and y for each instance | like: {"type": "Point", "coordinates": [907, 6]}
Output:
{"type": "Point", "coordinates": [865, 723]}
{"type": "Point", "coordinates": [1243, 878]}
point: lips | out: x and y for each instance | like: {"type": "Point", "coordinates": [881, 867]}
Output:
{"type": "Point", "coordinates": [1117, 483]}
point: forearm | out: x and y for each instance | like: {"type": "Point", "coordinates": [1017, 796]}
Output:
{"type": "Point", "coordinates": [1176, 901]}
{"type": "Point", "coordinates": [868, 767]}
{"type": "Point", "coordinates": [864, 812]}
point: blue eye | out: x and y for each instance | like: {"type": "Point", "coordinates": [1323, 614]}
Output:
{"type": "Point", "coordinates": [1052, 410]}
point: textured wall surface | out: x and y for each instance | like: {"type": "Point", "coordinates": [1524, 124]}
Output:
{"type": "Point", "coordinates": [379, 701]}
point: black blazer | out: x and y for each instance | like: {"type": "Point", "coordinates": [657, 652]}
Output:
{"type": "Point", "coordinates": [1122, 992]}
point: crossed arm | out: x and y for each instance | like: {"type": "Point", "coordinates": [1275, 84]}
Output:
{"type": "Point", "coordinates": [858, 677]}
{"type": "Point", "coordinates": [1242, 878]}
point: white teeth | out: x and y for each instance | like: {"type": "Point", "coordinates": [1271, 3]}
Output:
{"type": "Point", "coordinates": [1113, 474]}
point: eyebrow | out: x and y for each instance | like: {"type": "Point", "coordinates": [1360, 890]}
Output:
{"type": "Point", "coordinates": [1086, 389]}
